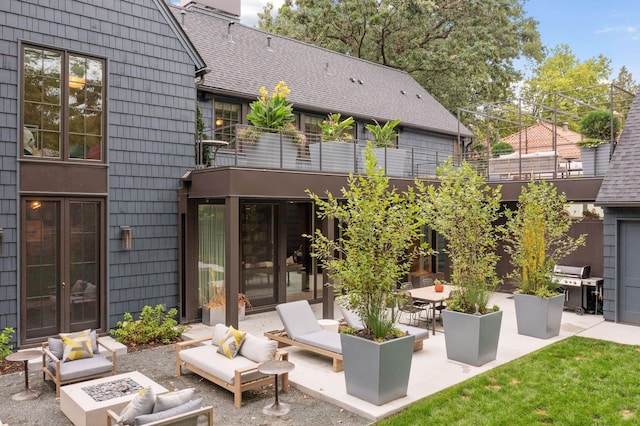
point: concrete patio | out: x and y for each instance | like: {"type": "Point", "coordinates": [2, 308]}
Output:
{"type": "Point", "coordinates": [431, 371]}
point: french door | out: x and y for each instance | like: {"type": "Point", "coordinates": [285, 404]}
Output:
{"type": "Point", "coordinates": [62, 246]}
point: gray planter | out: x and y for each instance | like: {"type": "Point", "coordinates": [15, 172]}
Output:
{"type": "Point", "coordinates": [270, 149]}
{"type": "Point", "coordinates": [377, 372]}
{"type": "Point", "coordinates": [471, 339]}
{"type": "Point", "coordinates": [539, 316]}
{"type": "Point", "coordinates": [213, 316]}
{"type": "Point", "coordinates": [392, 160]}
{"type": "Point", "coordinates": [336, 156]}
{"type": "Point", "coordinates": [595, 161]}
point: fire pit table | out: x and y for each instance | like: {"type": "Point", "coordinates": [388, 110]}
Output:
{"type": "Point", "coordinates": [86, 403]}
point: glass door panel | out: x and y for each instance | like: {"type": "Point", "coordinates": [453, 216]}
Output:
{"type": "Point", "coordinates": [41, 240]}
{"type": "Point", "coordinates": [258, 252]}
{"type": "Point", "coordinates": [211, 255]}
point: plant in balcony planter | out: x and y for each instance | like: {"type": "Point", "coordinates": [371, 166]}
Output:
{"type": "Point", "coordinates": [465, 211]}
{"type": "Point", "coordinates": [596, 128]}
{"type": "Point", "coordinates": [392, 160]}
{"type": "Point", "coordinates": [374, 251]}
{"type": "Point", "coordinates": [332, 154]}
{"type": "Point", "coordinates": [537, 237]}
{"type": "Point", "coordinates": [273, 120]}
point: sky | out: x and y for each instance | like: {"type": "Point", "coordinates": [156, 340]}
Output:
{"type": "Point", "coordinates": [588, 27]}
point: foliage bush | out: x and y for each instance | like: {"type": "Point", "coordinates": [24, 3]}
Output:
{"type": "Point", "coordinates": [153, 326]}
{"type": "Point", "coordinates": [501, 148]}
{"type": "Point", "coordinates": [5, 337]}
{"type": "Point", "coordinates": [596, 128]}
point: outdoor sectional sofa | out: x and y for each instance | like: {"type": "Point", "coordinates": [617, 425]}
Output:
{"type": "Point", "coordinates": [301, 329]}
{"type": "Point", "coordinates": [237, 374]}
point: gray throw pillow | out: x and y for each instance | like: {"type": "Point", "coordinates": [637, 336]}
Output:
{"type": "Point", "coordinates": [161, 415]}
{"type": "Point", "coordinates": [168, 400]}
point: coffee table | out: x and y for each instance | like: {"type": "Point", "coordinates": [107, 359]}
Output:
{"type": "Point", "coordinates": [83, 410]}
{"type": "Point", "coordinates": [276, 367]}
{"type": "Point", "coordinates": [25, 356]}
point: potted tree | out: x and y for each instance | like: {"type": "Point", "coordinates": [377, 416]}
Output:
{"type": "Point", "coordinates": [333, 153]}
{"type": "Point", "coordinates": [537, 239]}
{"type": "Point", "coordinates": [465, 211]}
{"type": "Point", "coordinates": [392, 160]}
{"type": "Point", "coordinates": [374, 251]}
{"type": "Point", "coordinates": [274, 140]}
{"type": "Point", "coordinates": [598, 128]}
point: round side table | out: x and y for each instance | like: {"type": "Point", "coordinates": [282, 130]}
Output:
{"type": "Point", "coordinates": [276, 368]}
{"type": "Point", "coordinates": [25, 356]}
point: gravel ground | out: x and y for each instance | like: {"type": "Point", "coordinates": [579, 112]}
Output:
{"type": "Point", "coordinates": [159, 365]}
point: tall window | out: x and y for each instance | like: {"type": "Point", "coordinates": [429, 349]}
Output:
{"type": "Point", "coordinates": [311, 128]}
{"type": "Point", "coordinates": [225, 117]}
{"type": "Point", "coordinates": [211, 253]}
{"type": "Point", "coordinates": [62, 107]}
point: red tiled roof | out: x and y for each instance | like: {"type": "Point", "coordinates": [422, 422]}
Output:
{"type": "Point", "coordinates": [539, 137]}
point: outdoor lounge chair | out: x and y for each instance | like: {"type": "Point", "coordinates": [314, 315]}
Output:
{"type": "Point", "coordinates": [301, 329]}
{"type": "Point", "coordinates": [353, 320]}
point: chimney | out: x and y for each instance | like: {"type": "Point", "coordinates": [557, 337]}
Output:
{"type": "Point", "coordinates": [565, 127]}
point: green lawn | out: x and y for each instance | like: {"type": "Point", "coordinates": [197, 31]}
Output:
{"type": "Point", "coordinates": [577, 381]}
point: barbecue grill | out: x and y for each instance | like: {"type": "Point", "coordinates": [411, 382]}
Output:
{"type": "Point", "coordinates": [581, 292]}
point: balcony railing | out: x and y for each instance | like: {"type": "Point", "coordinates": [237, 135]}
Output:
{"type": "Point", "coordinates": [262, 148]}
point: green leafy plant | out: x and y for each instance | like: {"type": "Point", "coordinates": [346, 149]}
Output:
{"type": "Point", "coordinates": [596, 128]}
{"type": "Point", "coordinates": [272, 112]}
{"type": "Point", "coordinates": [383, 135]}
{"type": "Point", "coordinates": [375, 247]}
{"type": "Point", "coordinates": [465, 211]}
{"type": "Point", "coordinates": [334, 129]}
{"type": "Point", "coordinates": [501, 148]}
{"type": "Point", "coordinates": [537, 237]}
{"type": "Point", "coordinates": [5, 339]}
{"type": "Point", "coordinates": [153, 326]}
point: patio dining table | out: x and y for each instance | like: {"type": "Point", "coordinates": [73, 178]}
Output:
{"type": "Point", "coordinates": [430, 295]}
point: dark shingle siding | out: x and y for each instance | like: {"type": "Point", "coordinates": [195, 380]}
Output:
{"type": "Point", "coordinates": [621, 185]}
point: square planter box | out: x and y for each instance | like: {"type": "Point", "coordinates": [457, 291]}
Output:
{"type": "Point", "coordinates": [471, 339]}
{"type": "Point", "coordinates": [539, 316]}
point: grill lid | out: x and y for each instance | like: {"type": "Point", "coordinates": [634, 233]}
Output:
{"type": "Point", "coordinates": [572, 271]}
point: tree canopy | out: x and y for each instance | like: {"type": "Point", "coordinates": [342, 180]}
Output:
{"type": "Point", "coordinates": [462, 52]}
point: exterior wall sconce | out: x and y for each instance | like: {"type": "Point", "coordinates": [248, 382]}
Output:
{"type": "Point", "coordinates": [126, 237]}
{"type": "Point", "coordinates": [1, 241]}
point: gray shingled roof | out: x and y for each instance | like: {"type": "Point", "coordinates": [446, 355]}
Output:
{"type": "Point", "coordinates": [621, 185]}
{"type": "Point", "coordinates": [320, 80]}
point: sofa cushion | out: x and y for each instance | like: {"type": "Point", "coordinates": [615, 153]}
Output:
{"type": "Point", "coordinates": [297, 318]}
{"type": "Point", "coordinates": [219, 331]}
{"type": "Point", "coordinates": [169, 400]}
{"type": "Point", "coordinates": [55, 347]}
{"type": "Point", "coordinates": [207, 359]}
{"type": "Point", "coordinates": [162, 415]}
{"type": "Point", "coordinates": [81, 368]}
{"type": "Point", "coordinates": [141, 404]}
{"type": "Point", "coordinates": [77, 346]}
{"type": "Point", "coordinates": [257, 349]}
{"type": "Point", "coordinates": [230, 344]}
{"type": "Point", "coordinates": [420, 333]}
{"type": "Point", "coordinates": [324, 339]}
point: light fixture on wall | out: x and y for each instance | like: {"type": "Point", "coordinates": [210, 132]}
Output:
{"type": "Point", "coordinates": [1, 241]}
{"type": "Point", "coordinates": [219, 122]}
{"type": "Point", "coordinates": [126, 237]}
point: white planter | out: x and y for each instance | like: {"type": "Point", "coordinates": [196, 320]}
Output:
{"type": "Point", "coordinates": [539, 316]}
{"type": "Point", "coordinates": [272, 151]}
{"type": "Point", "coordinates": [471, 339]}
{"type": "Point", "coordinates": [595, 161]}
{"type": "Point", "coordinates": [392, 160]}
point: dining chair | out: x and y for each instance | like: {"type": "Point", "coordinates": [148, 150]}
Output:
{"type": "Point", "coordinates": [409, 307]}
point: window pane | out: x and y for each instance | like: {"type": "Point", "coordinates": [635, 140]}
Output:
{"type": "Point", "coordinates": [226, 116]}
{"type": "Point", "coordinates": [32, 88]}
{"type": "Point", "coordinates": [211, 253]}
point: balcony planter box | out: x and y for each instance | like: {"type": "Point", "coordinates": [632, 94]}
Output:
{"type": "Point", "coordinates": [377, 372]}
{"type": "Point", "coordinates": [471, 339]}
{"type": "Point", "coordinates": [595, 161]}
{"type": "Point", "coordinates": [395, 160]}
{"type": "Point", "coordinates": [539, 316]}
{"type": "Point", "coordinates": [336, 156]}
{"type": "Point", "coordinates": [266, 152]}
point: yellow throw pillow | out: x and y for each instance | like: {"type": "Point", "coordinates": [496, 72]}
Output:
{"type": "Point", "coordinates": [76, 347]}
{"type": "Point", "coordinates": [231, 342]}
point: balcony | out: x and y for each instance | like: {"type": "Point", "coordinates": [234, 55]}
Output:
{"type": "Point", "coordinates": [252, 147]}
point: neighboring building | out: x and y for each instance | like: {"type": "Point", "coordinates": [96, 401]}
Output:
{"type": "Point", "coordinates": [620, 197]}
{"type": "Point", "coordinates": [96, 130]}
{"type": "Point", "coordinates": [540, 138]}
